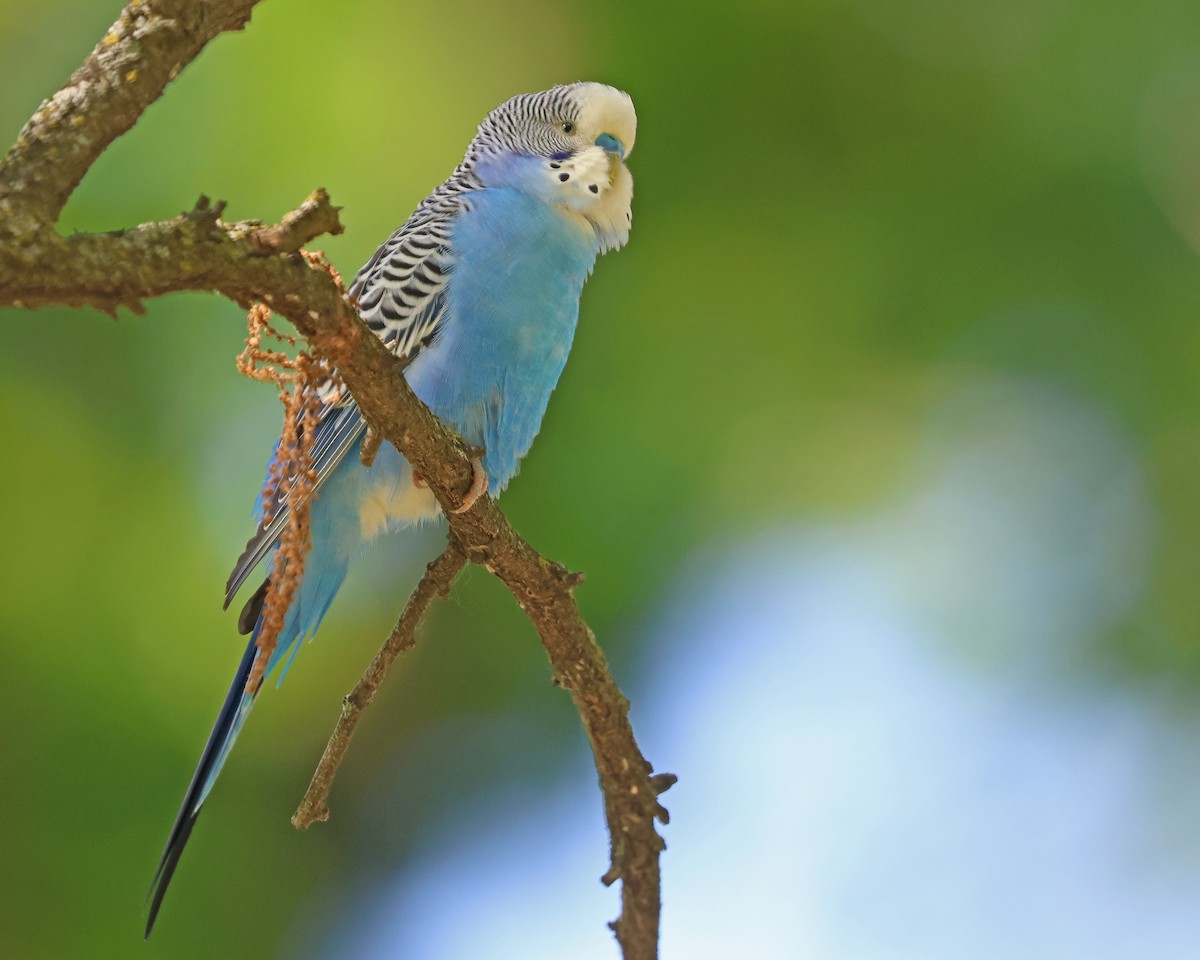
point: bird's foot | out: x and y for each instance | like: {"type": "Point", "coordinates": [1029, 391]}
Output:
{"type": "Point", "coordinates": [479, 483]}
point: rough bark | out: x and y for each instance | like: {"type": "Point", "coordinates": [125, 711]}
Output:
{"type": "Point", "coordinates": [248, 262]}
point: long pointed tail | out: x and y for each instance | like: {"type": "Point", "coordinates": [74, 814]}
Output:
{"type": "Point", "coordinates": [336, 536]}
{"type": "Point", "coordinates": [229, 721]}
{"type": "Point", "coordinates": [322, 578]}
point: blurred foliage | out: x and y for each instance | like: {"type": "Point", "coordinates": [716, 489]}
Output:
{"type": "Point", "coordinates": [840, 203]}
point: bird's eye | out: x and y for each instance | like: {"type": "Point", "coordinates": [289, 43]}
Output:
{"type": "Point", "coordinates": [567, 126]}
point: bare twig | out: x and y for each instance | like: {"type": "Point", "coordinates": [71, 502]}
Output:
{"type": "Point", "coordinates": [369, 448]}
{"type": "Point", "coordinates": [312, 218]}
{"type": "Point", "coordinates": [436, 582]}
{"type": "Point", "coordinates": [247, 262]}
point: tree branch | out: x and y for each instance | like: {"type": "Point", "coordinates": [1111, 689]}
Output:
{"type": "Point", "coordinates": [141, 53]}
{"type": "Point", "coordinates": [247, 262]}
{"type": "Point", "coordinates": [439, 576]}
{"type": "Point", "coordinates": [194, 251]}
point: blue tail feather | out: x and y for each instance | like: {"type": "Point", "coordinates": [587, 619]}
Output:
{"type": "Point", "coordinates": [325, 571]}
{"type": "Point", "coordinates": [229, 721]}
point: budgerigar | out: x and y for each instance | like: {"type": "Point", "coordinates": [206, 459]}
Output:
{"type": "Point", "coordinates": [479, 289]}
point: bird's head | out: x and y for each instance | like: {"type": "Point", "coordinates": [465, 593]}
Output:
{"type": "Point", "coordinates": [566, 145]}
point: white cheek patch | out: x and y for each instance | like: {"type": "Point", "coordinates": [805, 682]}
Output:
{"type": "Point", "coordinates": [612, 217]}
{"type": "Point", "coordinates": [581, 180]}
{"type": "Point", "coordinates": [598, 187]}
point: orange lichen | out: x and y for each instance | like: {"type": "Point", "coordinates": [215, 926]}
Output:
{"type": "Point", "coordinates": [316, 258]}
{"type": "Point", "coordinates": [292, 478]}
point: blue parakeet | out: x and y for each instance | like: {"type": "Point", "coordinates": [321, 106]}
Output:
{"type": "Point", "coordinates": [479, 289]}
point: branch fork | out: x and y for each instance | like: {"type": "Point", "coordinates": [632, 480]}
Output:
{"type": "Point", "coordinates": [248, 262]}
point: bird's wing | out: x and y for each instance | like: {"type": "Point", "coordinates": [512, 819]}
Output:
{"type": "Point", "coordinates": [338, 429]}
{"type": "Point", "coordinates": [401, 295]}
{"type": "Point", "coordinates": [400, 290]}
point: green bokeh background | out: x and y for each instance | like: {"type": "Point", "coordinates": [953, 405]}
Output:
{"type": "Point", "coordinates": [839, 204]}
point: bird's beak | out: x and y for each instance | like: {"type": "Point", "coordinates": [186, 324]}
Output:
{"type": "Point", "coordinates": [616, 153]}
{"type": "Point", "coordinates": [611, 144]}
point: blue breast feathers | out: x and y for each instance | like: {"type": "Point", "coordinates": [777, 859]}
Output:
{"type": "Point", "coordinates": [513, 302]}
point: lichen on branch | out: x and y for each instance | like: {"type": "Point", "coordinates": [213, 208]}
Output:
{"type": "Point", "coordinates": [143, 51]}
{"type": "Point", "coordinates": [151, 42]}
{"type": "Point", "coordinates": [291, 479]}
